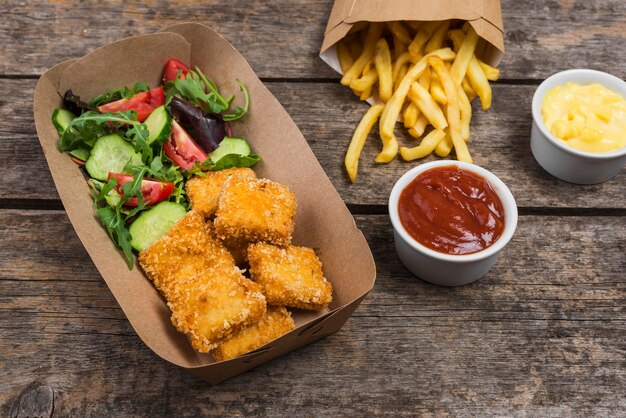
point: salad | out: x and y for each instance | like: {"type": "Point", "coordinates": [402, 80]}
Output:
{"type": "Point", "coordinates": [138, 146]}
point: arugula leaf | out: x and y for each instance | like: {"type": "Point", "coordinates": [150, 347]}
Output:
{"type": "Point", "coordinates": [239, 111]}
{"type": "Point", "coordinates": [236, 160]}
{"type": "Point", "coordinates": [198, 89]}
{"type": "Point", "coordinates": [117, 94]}
{"type": "Point", "coordinates": [88, 127]}
{"type": "Point", "coordinates": [227, 161]}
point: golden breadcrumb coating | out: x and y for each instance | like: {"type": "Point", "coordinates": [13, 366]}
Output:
{"type": "Point", "coordinates": [214, 304]}
{"type": "Point", "coordinates": [204, 191]}
{"type": "Point", "coordinates": [208, 295]}
{"type": "Point", "coordinates": [276, 322]}
{"type": "Point", "coordinates": [255, 210]}
{"type": "Point", "coordinates": [188, 248]}
{"type": "Point", "coordinates": [290, 276]}
{"type": "Point", "coordinates": [238, 248]}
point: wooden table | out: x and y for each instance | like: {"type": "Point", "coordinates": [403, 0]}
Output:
{"type": "Point", "coordinates": [543, 334]}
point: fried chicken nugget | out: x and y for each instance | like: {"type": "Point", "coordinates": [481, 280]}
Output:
{"type": "Point", "coordinates": [188, 248]}
{"type": "Point", "coordinates": [214, 304]}
{"type": "Point", "coordinates": [276, 322]}
{"type": "Point", "coordinates": [204, 191]}
{"type": "Point", "coordinates": [208, 295]}
{"type": "Point", "coordinates": [290, 276]}
{"type": "Point", "coordinates": [255, 210]}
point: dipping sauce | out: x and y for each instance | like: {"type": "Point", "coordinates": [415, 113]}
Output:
{"type": "Point", "coordinates": [451, 210]}
{"type": "Point", "coordinates": [587, 117]}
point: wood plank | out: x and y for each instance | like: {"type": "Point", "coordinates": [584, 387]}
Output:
{"type": "Point", "coordinates": [282, 38]}
{"type": "Point", "coordinates": [543, 334]}
{"type": "Point", "coordinates": [327, 114]}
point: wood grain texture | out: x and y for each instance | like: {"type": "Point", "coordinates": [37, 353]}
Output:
{"type": "Point", "coordinates": [327, 114]}
{"type": "Point", "coordinates": [282, 38]}
{"type": "Point", "coordinates": [544, 334]}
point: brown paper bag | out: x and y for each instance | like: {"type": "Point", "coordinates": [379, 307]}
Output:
{"type": "Point", "coordinates": [485, 17]}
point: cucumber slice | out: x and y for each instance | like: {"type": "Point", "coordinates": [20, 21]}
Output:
{"type": "Point", "coordinates": [61, 119]}
{"type": "Point", "coordinates": [109, 154]}
{"type": "Point", "coordinates": [230, 146]}
{"type": "Point", "coordinates": [159, 125]}
{"type": "Point", "coordinates": [80, 153]}
{"type": "Point", "coordinates": [153, 223]}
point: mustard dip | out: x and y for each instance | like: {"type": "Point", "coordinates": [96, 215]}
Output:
{"type": "Point", "coordinates": [586, 117]}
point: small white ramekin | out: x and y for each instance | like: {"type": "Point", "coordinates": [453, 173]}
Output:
{"type": "Point", "coordinates": [561, 160]}
{"type": "Point", "coordinates": [446, 269]}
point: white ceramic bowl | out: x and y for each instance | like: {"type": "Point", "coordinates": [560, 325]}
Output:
{"type": "Point", "coordinates": [561, 160]}
{"type": "Point", "coordinates": [446, 269]}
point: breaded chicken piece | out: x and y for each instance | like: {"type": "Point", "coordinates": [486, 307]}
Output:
{"type": "Point", "coordinates": [208, 295]}
{"type": "Point", "coordinates": [290, 276]}
{"type": "Point", "coordinates": [188, 248]}
{"type": "Point", "coordinates": [204, 191]}
{"type": "Point", "coordinates": [214, 304]}
{"type": "Point", "coordinates": [256, 210]}
{"type": "Point", "coordinates": [276, 322]}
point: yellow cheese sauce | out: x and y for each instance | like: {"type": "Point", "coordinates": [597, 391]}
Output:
{"type": "Point", "coordinates": [587, 117]}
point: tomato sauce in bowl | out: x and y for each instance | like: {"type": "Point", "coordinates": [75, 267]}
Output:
{"type": "Point", "coordinates": [451, 210]}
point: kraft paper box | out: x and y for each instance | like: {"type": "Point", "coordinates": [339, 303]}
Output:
{"type": "Point", "coordinates": [485, 17]}
{"type": "Point", "coordinates": [323, 222]}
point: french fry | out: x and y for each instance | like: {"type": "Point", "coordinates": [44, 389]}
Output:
{"type": "Point", "coordinates": [445, 146]}
{"type": "Point", "coordinates": [456, 36]}
{"type": "Point", "coordinates": [363, 129]}
{"type": "Point", "coordinates": [369, 48]}
{"type": "Point", "coordinates": [382, 61]}
{"type": "Point", "coordinates": [365, 82]}
{"type": "Point", "coordinates": [390, 149]}
{"type": "Point", "coordinates": [394, 105]}
{"type": "Point", "coordinates": [398, 63]}
{"type": "Point", "coordinates": [428, 144]}
{"type": "Point", "coordinates": [400, 76]}
{"type": "Point", "coordinates": [399, 31]}
{"type": "Point", "coordinates": [410, 115]}
{"type": "Point", "coordinates": [344, 56]}
{"type": "Point", "coordinates": [436, 40]}
{"type": "Point", "coordinates": [420, 126]}
{"type": "Point", "coordinates": [355, 49]}
{"type": "Point", "coordinates": [464, 56]}
{"type": "Point", "coordinates": [425, 78]}
{"type": "Point", "coordinates": [492, 74]}
{"type": "Point", "coordinates": [452, 111]}
{"type": "Point", "coordinates": [427, 106]}
{"type": "Point", "coordinates": [367, 93]}
{"type": "Point", "coordinates": [414, 25]}
{"type": "Point", "coordinates": [467, 88]}
{"type": "Point", "coordinates": [398, 48]}
{"type": "Point", "coordinates": [479, 83]}
{"type": "Point", "coordinates": [436, 90]}
{"type": "Point", "coordinates": [415, 47]}
{"type": "Point", "coordinates": [465, 108]}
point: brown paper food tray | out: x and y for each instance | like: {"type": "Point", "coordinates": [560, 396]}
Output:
{"type": "Point", "coordinates": [485, 17]}
{"type": "Point", "coordinates": [322, 222]}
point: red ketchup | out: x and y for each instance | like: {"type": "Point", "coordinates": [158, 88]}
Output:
{"type": "Point", "coordinates": [451, 210]}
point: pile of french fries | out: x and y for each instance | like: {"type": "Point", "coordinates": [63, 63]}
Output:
{"type": "Point", "coordinates": [429, 76]}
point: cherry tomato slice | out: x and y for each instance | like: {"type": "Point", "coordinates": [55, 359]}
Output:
{"type": "Point", "coordinates": [182, 149]}
{"type": "Point", "coordinates": [153, 190]}
{"type": "Point", "coordinates": [172, 67]}
{"type": "Point", "coordinates": [143, 103]}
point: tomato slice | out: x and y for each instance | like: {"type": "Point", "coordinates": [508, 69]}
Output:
{"type": "Point", "coordinates": [143, 103]}
{"type": "Point", "coordinates": [172, 67]}
{"type": "Point", "coordinates": [182, 149]}
{"type": "Point", "coordinates": [153, 190]}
